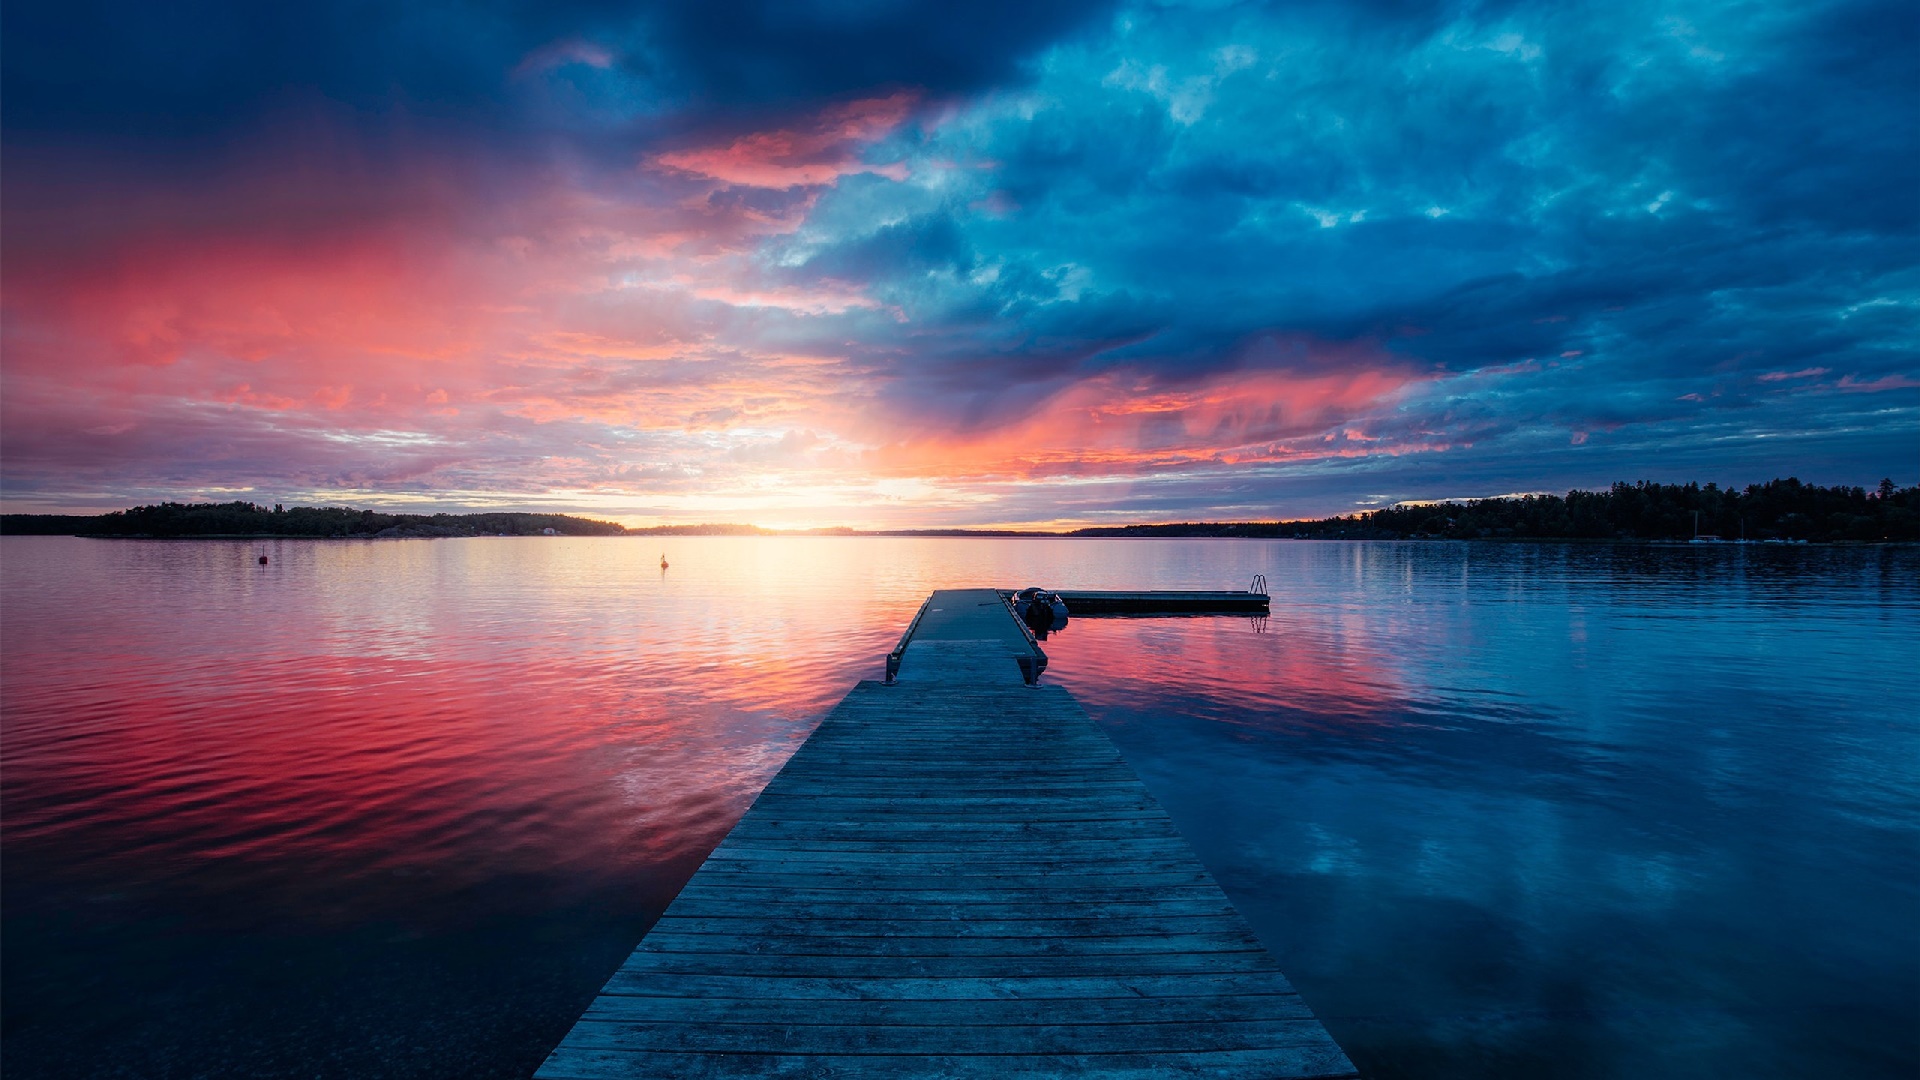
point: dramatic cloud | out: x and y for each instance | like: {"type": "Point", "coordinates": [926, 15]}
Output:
{"type": "Point", "coordinates": [819, 151]}
{"type": "Point", "coordinates": [923, 264]}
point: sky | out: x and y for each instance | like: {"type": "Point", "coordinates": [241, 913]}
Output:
{"type": "Point", "coordinates": [806, 263]}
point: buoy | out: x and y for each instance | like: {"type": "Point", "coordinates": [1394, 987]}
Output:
{"type": "Point", "coordinates": [263, 560]}
{"type": "Point", "coordinates": [663, 560]}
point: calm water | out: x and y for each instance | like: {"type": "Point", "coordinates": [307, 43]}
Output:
{"type": "Point", "coordinates": [397, 808]}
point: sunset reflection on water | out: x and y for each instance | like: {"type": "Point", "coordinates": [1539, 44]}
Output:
{"type": "Point", "coordinates": [398, 807]}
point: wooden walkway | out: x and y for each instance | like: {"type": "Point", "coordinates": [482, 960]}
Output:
{"type": "Point", "coordinates": [956, 876]}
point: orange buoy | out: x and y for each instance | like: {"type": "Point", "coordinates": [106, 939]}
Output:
{"type": "Point", "coordinates": [663, 560]}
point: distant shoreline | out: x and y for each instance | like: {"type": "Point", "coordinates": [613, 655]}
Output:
{"type": "Point", "coordinates": [1782, 511]}
{"type": "Point", "coordinates": [1576, 541]}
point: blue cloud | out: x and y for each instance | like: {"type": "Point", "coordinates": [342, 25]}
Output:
{"type": "Point", "coordinates": [206, 67]}
{"type": "Point", "coordinates": [1649, 209]}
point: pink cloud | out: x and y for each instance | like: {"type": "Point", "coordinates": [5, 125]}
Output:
{"type": "Point", "coordinates": [818, 150]}
{"type": "Point", "coordinates": [247, 395]}
{"type": "Point", "coordinates": [1887, 382]}
{"type": "Point", "coordinates": [824, 298]}
{"type": "Point", "coordinates": [1803, 373]}
{"type": "Point", "coordinates": [1126, 424]}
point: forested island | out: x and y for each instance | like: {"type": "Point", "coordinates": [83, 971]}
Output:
{"type": "Point", "coordinates": [1779, 510]}
{"type": "Point", "coordinates": [173, 520]}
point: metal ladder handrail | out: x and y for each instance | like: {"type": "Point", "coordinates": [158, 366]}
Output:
{"type": "Point", "coordinates": [1030, 666]}
{"type": "Point", "coordinates": [893, 658]}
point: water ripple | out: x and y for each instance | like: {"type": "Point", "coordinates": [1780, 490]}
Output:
{"type": "Point", "coordinates": [1532, 803]}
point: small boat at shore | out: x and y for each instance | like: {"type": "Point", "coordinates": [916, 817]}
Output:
{"type": "Point", "coordinates": [1041, 610]}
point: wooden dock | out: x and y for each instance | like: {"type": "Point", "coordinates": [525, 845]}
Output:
{"type": "Point", "coordinates": [1083, 603]}
{"type": "Point", "coordinates": [956, 876]}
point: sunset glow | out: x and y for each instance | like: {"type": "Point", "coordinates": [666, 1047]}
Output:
{"type": "Point", "coordinates": [800, 267]}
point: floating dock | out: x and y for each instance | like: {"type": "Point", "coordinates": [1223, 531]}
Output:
{"type": "Point", "coordinates": [1082, 603]}
{"type": "Point", "coordinates": [956, 876]}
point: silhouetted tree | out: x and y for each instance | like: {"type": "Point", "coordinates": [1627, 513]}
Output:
{"type": "Point", "coordinates": [1779, 509]}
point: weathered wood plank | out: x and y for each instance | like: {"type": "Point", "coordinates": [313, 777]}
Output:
{"type": "Point", "coordinates": [1002, 1012]}
{"type": "Point", "coordinates": [912, 988]}
{"type": "Point", "coordinates": [1115, 846]}
{"type": "Point", "coordinates": [729, 904]}
{"type": "Point", "coordinates": [974, 860]}
{"type": "Point", "coordinates": [568, 1063]}
{"type": "Point", "coordinates": [833, 808]}
{"type": "Point", "coordinates": [999, 861]}
{"type": "Point", "coordinates": [960, 967]}
{"type": "Point", "coordinates": [1127, 1037]}
{"type": "Point", "coordinates": [825, 922]}
{"type": "Point", "coordinates": [769, 828]}
{"type": "Point", "coordinates": [969, 845]}
{"type": "Point", "coordinates": [1056, 892]}
{"type": "Point", "coordinates": [672, 941]}
{"type": "Point", "coordinates": [911, 881]}
{"type": "Point", "coordinates": [956, 878]}
{"type": "Point", "coordinates": [872, 792]}
{"type": "Point", "coordinates": [898, 788]}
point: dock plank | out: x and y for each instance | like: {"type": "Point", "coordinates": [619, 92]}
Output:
{"type": "Point", "coordinates": [914, 988]}
{"type": "Point", "coordinates": [588, 1063]}
{"type": "Point", "coordinates": [1003, 1012]}
{"type": "Point", "coordinates": [955, 876]}
{"type": "Point", "coordinates": [732, 906]}
{"type": "Point", "coordinates": [1192, 943]}
{"type": "Point", "coordinates": [1132, 1037]}
{"type": "Point", "coordinates": [824, 923]}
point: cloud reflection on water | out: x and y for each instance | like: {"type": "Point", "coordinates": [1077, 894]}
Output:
{"type": "Point", "coordinates": [399, 806]}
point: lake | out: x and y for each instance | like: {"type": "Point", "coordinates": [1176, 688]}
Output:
{"type": "Point", "coordinates": [398, 808]}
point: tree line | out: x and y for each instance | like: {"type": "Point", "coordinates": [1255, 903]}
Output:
{"type": "Point", "coordinates": [1776, 510]}
{"type": "Point", "coordinates": [248, 519]}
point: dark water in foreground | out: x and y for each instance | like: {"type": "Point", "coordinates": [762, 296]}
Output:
{"type": "Point", "coordinates": [397, 808]}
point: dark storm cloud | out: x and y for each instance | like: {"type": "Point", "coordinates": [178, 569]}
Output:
{"type": "Point", "coordinates": [760, 51]}
{"type": "Point", "coordinates": [185, 70]}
